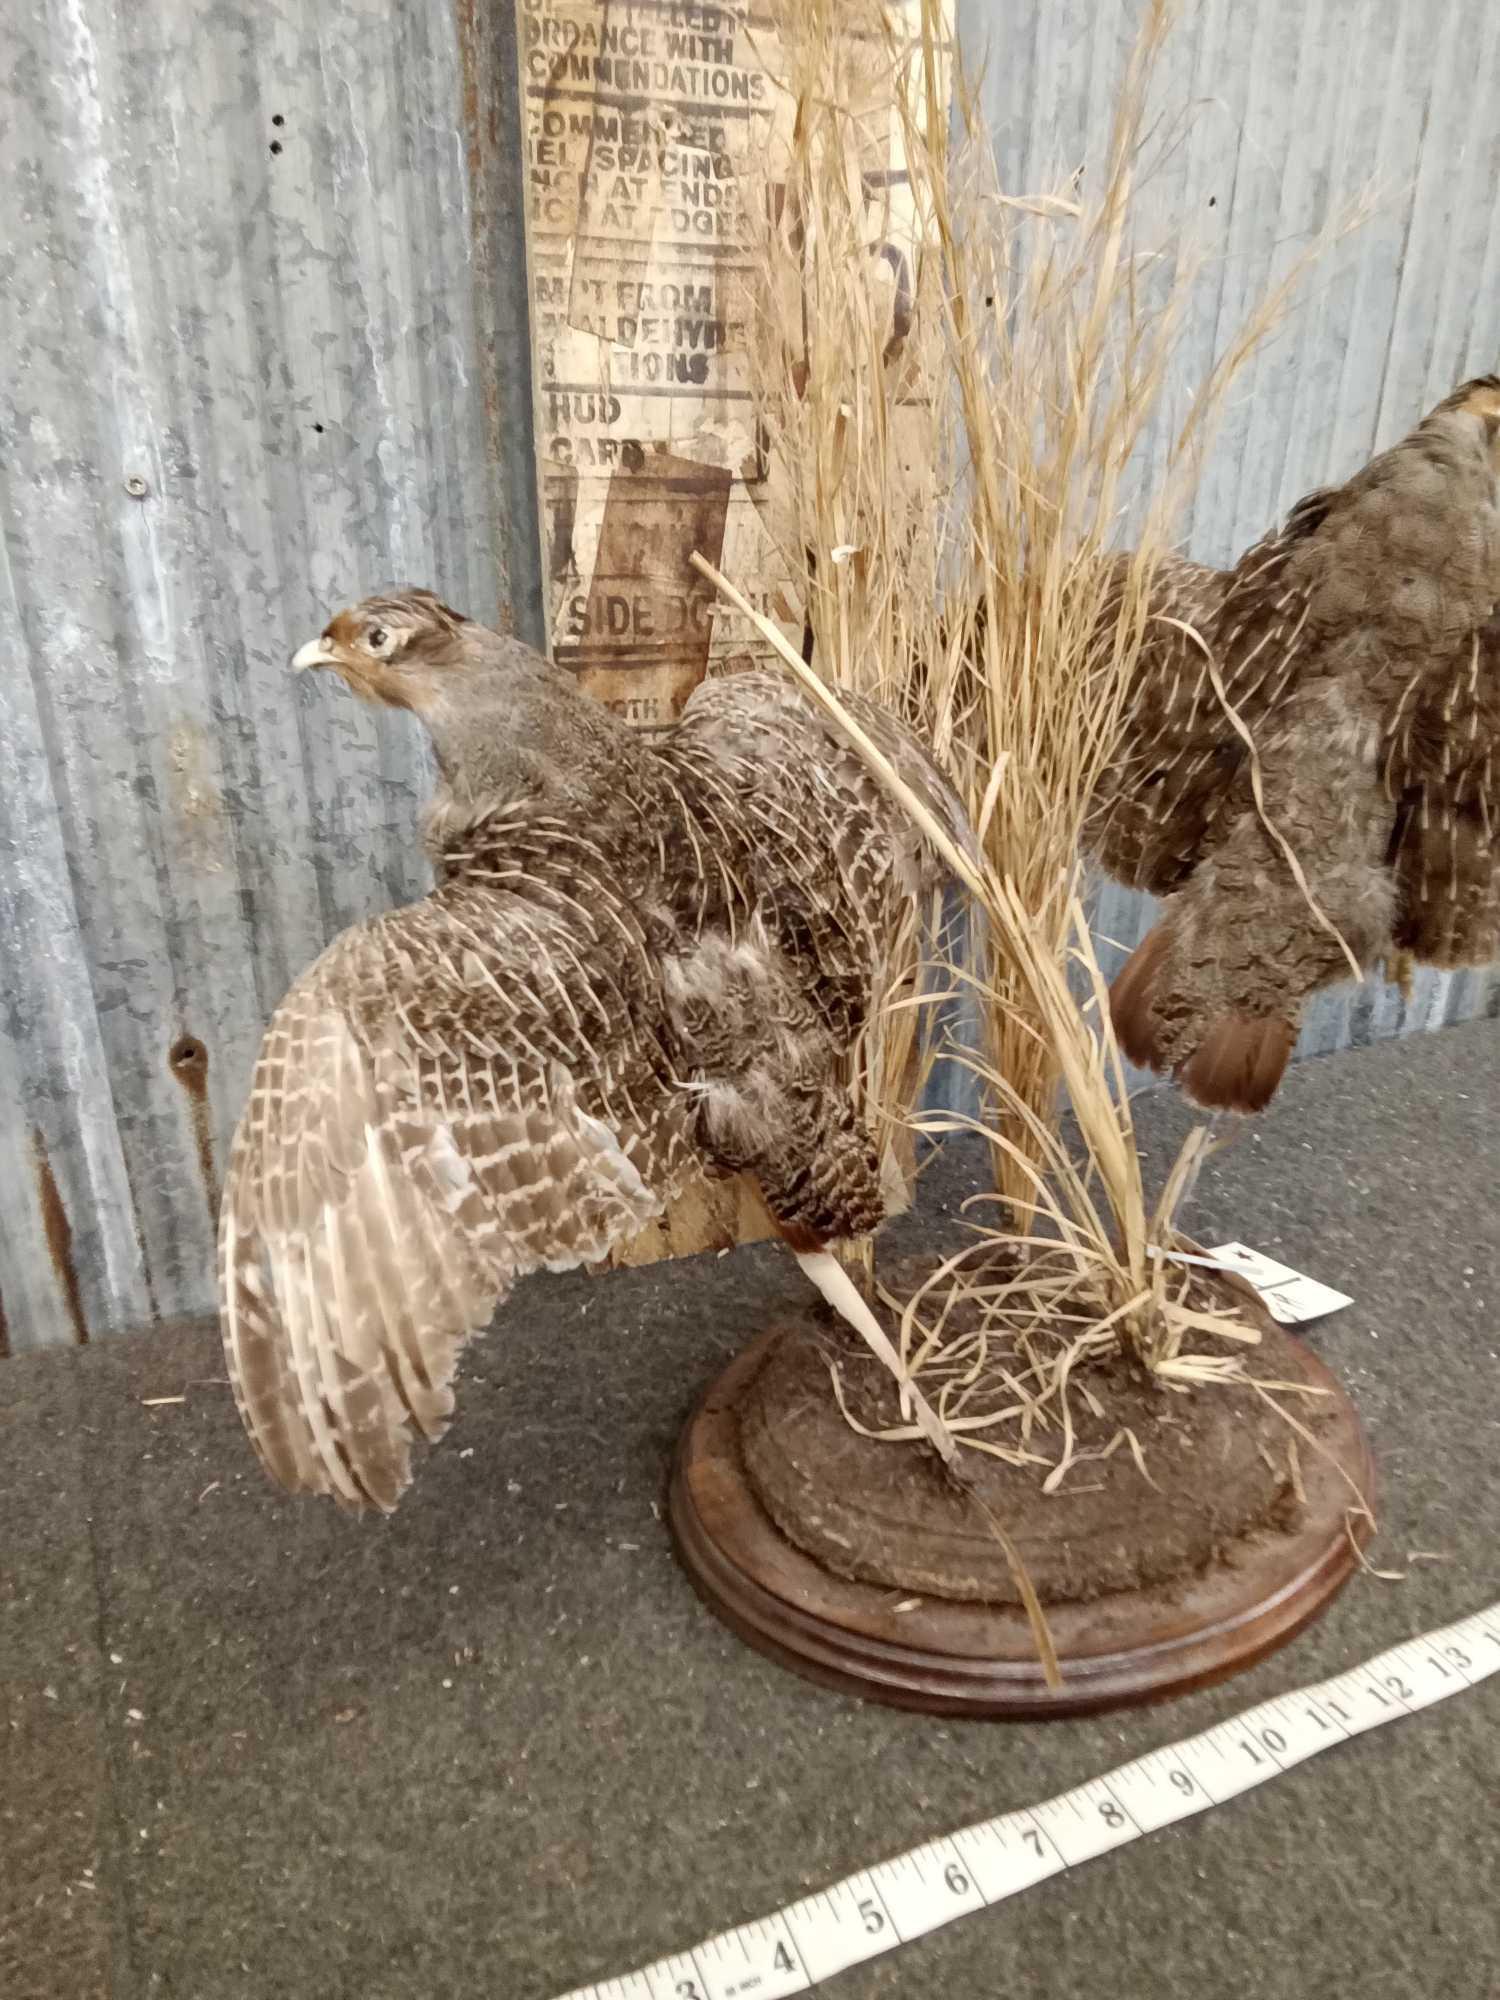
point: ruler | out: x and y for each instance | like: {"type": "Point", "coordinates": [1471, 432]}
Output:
{"type": "Point", "coordinates": [960, 1873]}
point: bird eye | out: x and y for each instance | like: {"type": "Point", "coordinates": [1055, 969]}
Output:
{"type": "Point", "coordinates": [377, 638]}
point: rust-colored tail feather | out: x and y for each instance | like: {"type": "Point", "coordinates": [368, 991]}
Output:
{"type": "Point", "coordinates": [1239, 1063]}
{"type": "Point", "coordinates": [1239, 1060]}
{"type": "Point", "coordinates": [1131, 1000]}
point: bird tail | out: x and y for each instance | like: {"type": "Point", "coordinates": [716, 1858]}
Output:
{"type": "Point", "coordinates": [1132, 997]}
{"type": "Point", "coordinates": [1239, 1064]}
{"type": "Point", "coordinates": [1235, 1062]}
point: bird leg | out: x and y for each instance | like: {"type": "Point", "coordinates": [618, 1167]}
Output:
{"type": "Point", "coordinates": [841, 1292]}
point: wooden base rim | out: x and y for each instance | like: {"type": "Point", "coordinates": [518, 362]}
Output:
{"type": "Point", "coordinates": [948, 1658]}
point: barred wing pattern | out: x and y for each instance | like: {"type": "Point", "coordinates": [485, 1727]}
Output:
{"type": "Point", "coordinates": [832, 856]}
{"type": "Point", "coordinates": [813, 867]}
{"type": "Point", "coordinates": [1442, 764]}
{"type": "Point", "coordinates": [665, 972]}
{"type": "Point", "coordinates": [1183, 766]}
{"type": "Point", "coordinates": [455, 1094]}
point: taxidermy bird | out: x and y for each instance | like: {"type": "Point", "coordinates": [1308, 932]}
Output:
{"type": "Point", "coordinates": [1310, 767]}
{"type": "Point", "coordinates": [643, 956]}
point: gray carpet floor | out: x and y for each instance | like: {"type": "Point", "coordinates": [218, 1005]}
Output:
{"type": "Point", "coordinates": [496, 1746]}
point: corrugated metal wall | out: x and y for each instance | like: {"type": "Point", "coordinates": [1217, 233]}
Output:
{"type": "Point", "coordinates": [1271, 118]}
{"type": "Point", "coordinates": [252, 369]}
{"type": "Point", "coordinates": [262, 308]}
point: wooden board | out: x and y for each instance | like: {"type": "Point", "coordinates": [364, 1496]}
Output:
{"type": "Point", "coordinates": [653, 130]}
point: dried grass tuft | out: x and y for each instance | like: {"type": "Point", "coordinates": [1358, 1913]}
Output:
{"type": "Point", "coordinates": [958, 386]}
{"type": "Point", "coordinates": [849, 376]}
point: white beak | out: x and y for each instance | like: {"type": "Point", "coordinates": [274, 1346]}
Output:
{"type": "Point", "coordinates": [316, 653]}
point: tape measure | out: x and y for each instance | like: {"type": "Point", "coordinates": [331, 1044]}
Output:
{"type": "Point", "coordinates": [896, 1901]}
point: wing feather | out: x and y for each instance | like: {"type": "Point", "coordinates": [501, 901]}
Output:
{"type": "Point", "coordinates": [833, 858]}
{"type": "Point", "coordinates": [444, 1102]}
{"type": "Point", "coordinates": [1442, 764]}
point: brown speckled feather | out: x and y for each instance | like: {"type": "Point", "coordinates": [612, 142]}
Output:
{"type": "Point", "coordinates": [831, 861]}
{"type": "Point", "coordinates": [1183, 763]}
{"type": "Point", "coordinates": [1356, 647]}
{"type": "Point", "coordinates": [455, 1094]}
{"type": "Point", "coordinates": [641, 957]}
{"type": "Point", "coordinates": [1442, 767]}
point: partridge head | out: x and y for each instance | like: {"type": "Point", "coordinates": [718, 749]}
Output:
{"type": "Point", "coordinates": [400, 648]}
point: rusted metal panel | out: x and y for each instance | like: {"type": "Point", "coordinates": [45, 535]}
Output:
{"type": "Point", "coordinates": [502, 289]}
{"type": "Point", "coordinates": [260, 265]}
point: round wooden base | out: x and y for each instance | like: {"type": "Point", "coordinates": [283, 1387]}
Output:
{"type": "Point", "coordinates": [950, 1658]}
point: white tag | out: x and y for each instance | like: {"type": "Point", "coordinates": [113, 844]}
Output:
{"type": "Point", "coordinates": [1288, 1296]}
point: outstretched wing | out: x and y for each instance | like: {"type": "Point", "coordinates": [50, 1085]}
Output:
{"type": "Point", "coordinates": [455, 1094]}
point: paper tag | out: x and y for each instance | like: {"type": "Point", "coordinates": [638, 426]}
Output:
{"type": "Point", "coordinates": [1288, 1296]}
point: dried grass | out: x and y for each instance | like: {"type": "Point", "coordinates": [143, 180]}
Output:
{"type": "Point", "coordinates": [1115, 1272]}
{"type": "Point", "coordinates": [848, 370]}
{"type": "Point", "coordinates": [957, 387]}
